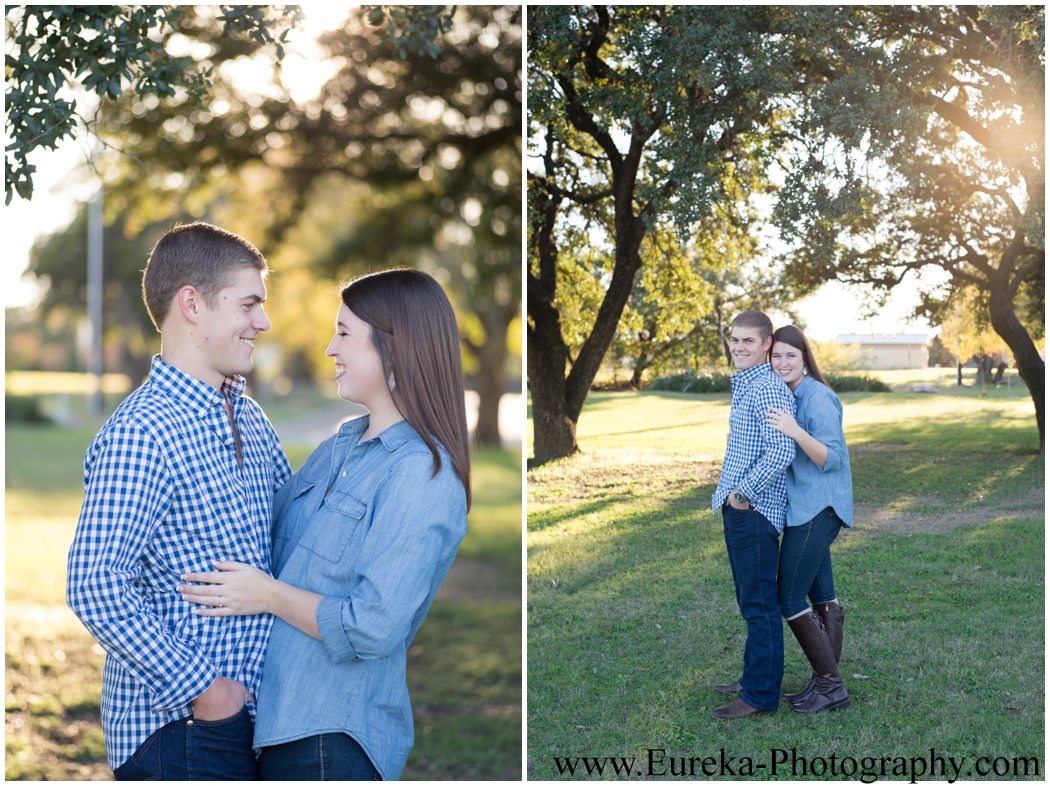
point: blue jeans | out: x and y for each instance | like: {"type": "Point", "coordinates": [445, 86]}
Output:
{"type": "Point", "coordinates": [323, 757]}
{"type": "Point", "coordinates": [753, 546]}
{"type": "Point", "coordinates": [195, 750]}
{"type": "Point", "coordinates": [805, 563]}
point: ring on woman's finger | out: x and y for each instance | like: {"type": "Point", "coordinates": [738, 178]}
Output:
{"type": "Point", "coordinates": [220, 601]}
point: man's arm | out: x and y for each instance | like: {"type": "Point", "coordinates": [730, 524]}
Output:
{"type": "Point", "coordinates": [128, 492]}
{"type": "Point", "coordinates": [777, 449]}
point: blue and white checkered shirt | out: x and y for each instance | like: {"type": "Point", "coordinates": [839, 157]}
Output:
{"type": "Point", "coordinates": [757, 454]}
{"type": "Point", "coordinates": [164, 496]}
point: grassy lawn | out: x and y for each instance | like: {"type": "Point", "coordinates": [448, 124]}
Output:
{"type": "Point", "coordinates": [464, 666]}
{"type": "Point", "coordinates": [632, 615]}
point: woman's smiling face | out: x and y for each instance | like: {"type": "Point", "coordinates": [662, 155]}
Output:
{"type": "Point", "coordinates": [358, 367]}
{"type": "Point", "coordinates": [787, 363]}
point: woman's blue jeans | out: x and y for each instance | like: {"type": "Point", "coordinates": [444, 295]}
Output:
{"type": "Point", "coordinates": [805, 563]}
{"type": "Point", "coordinates": [323, 757]}
{"type": "Point", "coordinates": [753, 546]}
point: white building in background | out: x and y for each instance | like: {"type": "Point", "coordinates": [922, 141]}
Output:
{"type": "Point", "coordinates": [885, 351]}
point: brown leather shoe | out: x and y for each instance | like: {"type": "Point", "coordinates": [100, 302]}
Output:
{"type": "Point", "coordinates": [732, 689]}
{"type": "Point", "coordinates": [738, 709]}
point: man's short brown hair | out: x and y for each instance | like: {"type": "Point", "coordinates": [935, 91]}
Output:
{"type": "Point", "coordinates": [199, 255]}
{"type": "Point", "coordinates": [755, 319]}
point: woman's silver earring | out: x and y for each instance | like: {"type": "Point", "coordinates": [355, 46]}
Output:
{"type": "Point", "coordinates": [805, 371]}
{"type": "Point", "coordinates": [390, 383]}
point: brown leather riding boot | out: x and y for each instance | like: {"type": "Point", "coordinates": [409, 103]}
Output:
{"type": "Point", "coordinates": [832, 615]}
{"type": "Point", "coordinates": [829, 692]}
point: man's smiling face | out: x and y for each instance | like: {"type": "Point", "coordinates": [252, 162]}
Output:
{"type": "Point", "coordinates": [228, 329]}
{"type": "Point", "coordinates": [747, 347]}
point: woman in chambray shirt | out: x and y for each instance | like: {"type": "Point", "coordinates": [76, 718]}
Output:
{"type": "Point", "coordinates": [819, 503]}
{"type": "Point", "coordinates": [362, 538]}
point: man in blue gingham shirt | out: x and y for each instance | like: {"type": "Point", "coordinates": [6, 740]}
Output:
{"type": "Point", "coordinates": [182, 474]}
{"type": "Point", "coordinates": [751, 496]}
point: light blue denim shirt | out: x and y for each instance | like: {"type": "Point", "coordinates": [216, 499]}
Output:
{"type": "Point", "coordinates": [810, 488]}
{"type": "Point", "coordinates": [365, 525]}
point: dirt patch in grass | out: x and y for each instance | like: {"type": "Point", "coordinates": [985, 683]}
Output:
{"type": "Point", "coordinates": [915, 515]}
{"type": "Point", "coordinates": [480, 580]}
{"type": "Point", "coordinates": [53, 676]}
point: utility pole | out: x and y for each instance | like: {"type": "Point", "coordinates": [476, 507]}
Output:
{"type": "Point", "coordinates": [958, 363]}
{"type": "Point", "coordinates": [95, 303]}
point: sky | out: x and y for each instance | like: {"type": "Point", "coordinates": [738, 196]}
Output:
{"type": "Point", "coordinates": [60, 182]}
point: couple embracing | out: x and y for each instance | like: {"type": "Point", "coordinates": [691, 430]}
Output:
{"type": "Point", "coordinates": [256, 623]}
{"type": "Point", "coordinates": [786, 472]}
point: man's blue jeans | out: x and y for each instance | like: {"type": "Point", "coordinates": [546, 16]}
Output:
{"type": "Point", "coordinates": [195, 750]}
{"type": "Point", "coordinates": [753, 545]}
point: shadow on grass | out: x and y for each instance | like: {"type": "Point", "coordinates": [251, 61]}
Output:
{"type": "Point", "coordinates": [623, 652]}
{"type": "Point", "coordinates": [632, 615]}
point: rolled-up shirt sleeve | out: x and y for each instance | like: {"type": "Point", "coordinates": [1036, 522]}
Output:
{"type": "Point", "coordinates": [128, 492]}
{"type": "Point", "coordinates": [825, 426]}
{"type": "Point", "coordinates": [417, 523]}
{"type": "Point", "coordinates": [777, 449]}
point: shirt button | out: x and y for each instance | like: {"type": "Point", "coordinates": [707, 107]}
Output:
{"type": "Point", "coordinates": [344, 474]}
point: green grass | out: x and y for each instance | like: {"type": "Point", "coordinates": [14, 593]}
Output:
{"type": "Point", "coordinates": [632, 615]}
{"type": "Point", "coordinates": [464, 667]}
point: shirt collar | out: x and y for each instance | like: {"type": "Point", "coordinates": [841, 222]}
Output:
{"type": "Point", "coordinates": [802, 387]}
{"type": "Point", "coordinates": [190, 391]}
{"type": "Point", "coordinates": [748, 376]}
{"type": "Point", "coordinates": [392, 437]}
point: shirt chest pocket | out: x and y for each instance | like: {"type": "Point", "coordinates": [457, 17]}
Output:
{"type": "Point", "coordinates": [331, 529]}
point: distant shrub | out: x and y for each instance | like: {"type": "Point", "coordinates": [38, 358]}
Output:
{"type": "Point", "coordinates": [856, 383]}
{"type": "Point", "coordinates": [834, 357]}
{"type": "Point", "coordinates": [691, 383]}
{"type": "Point", "coordinates": [609, 386]}
{"type": "Point", "coordinates": [24, 409]}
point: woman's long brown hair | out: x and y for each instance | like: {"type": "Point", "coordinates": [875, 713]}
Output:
{"type": "Point", "coordinates": [414, 330]}
{"type": "Point", "coordinates": [789, 334]}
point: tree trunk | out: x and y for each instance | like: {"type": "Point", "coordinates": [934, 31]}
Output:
{"type": "Point", "coordinates": [1030, 367]}
{"type": "Point", "coordinates": [554, 432]}
{"type": "Point", "coordinates": [999, 371]}
{"type": "Point", "coordinates": [984, 368]}
{"type": "Point", "coordinates": [557, 399]}
{"type": "Point", "coordinates": [644, 358]}
{"type": "Point", "coordinates": [492, 371]}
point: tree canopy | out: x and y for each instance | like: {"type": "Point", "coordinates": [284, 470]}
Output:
{"type": "Point", "coordinates": [647, 116]}
{"type": "Point", "coordinates": [922, 147]}
{"type": "Point", "coordinates": [415, 137]}
{"type": "Point", "coordinates": [104, 50]}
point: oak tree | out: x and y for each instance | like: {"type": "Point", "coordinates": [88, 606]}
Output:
{"type": "Point", "coordinates": [652, 115]}
{"type": "Point", "coordinates": [921, 147]}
